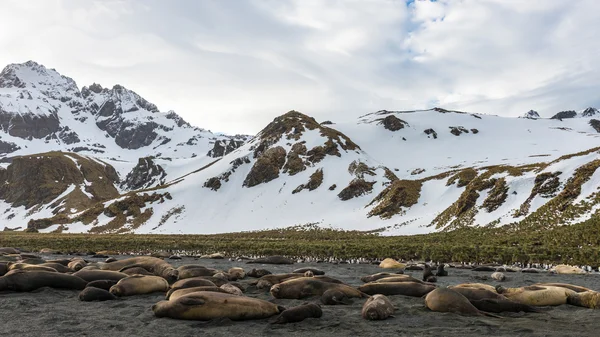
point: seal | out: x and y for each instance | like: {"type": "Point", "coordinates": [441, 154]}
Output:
{"type": "Point", "coordinates": [575, 288]}
{"type": "Point", "coordinates": [565, 269]}
{"type": "Point", "coordinates": [502, 305]}
{"type": "Point", "coordinates": [77, 264]}
{"type": "Point", "coordinates": [102, 284]}
{"type": "Point", "coordinates": [498, 276]}
{"type": "Point", "coordinates": [26, 266]}
{"type": "Point", "coordinates": [95, 275]}
{"type": "Point", "coordinates": [154, 265]}
{"type": "Point", "coordinates": [58, 267]}
{"type": "Point", "coordinates": [375, 277]}
{"type": "Point", "coordinates": [413, 289]}
{"type": "Point", "coordinates": [268, 281]}
{"type": "Point", "coordinates": [484, 268]}
{"type": "Point", "coordinates": [315, 271]}
{"type": "Point", "coordinates": [174, 294]}
{"type": "Point", "coordinates": [3, 268]}
{"type": "Point", "coordinates": [587, 299]}
{"type": "Point", "coordinates": [9, 250]}
{"type": "Point", "coordinates": [206, 305]}
{"type": "Point", "coordinates": [377, 307]}
{"type": "Point", "coordinates": [90, 294]}
{"type": "Point", "coordinates": [189, 271]}
{"type": "Point", "coordinates": [20, 280]}
{"type": "Point", "coordinates": [448, 300]}
{"type": "Point", "coordinates": [138, 285]}
{"type": "Point", "coordinates": [441, 271]}
{"type": "Point", "coordinates": [231, 289]}
{"type": "Point", "coordinates": [135, 271]}
{"type": "Point", "coordinates": [299, 313]}
{"type": "Point", "coordinates": [194, 282]}
{"type": "Point", "coordinates": [474, 294]}
{"type": "Point", "coordinates": [537, 295]}
{"type": "Point", "coordinates": [428, 275]}
{"type": "Point", "coordinates": [401, 278]}
{"type": "Point", "coordinates": [477, 286]}
{"type": "Point", "coordinates": [277, 259]}
{"type": "Point", "coordinates": [309, 286]}
{"type": "Point", "coordinates": [335, 297]}
{"type": "Point", "coordinates": [236, 273]}
{"type": "Point", "coordinates": [390, 263]}
{"type": "Point", "coordinates": [258, 273]}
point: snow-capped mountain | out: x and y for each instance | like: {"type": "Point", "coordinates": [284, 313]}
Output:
{"type": "Point", "coordinates": [399, 172]}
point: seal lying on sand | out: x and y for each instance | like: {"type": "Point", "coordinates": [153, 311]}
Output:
{"type": "Point", "coordinates": [96, 275]}
{"type": "Point", "coordinates": [502, 305]}
{"type": "Point", "coordinates": [413, 289]}
{"type": "Point", "coordinates": [190, 271]}
{"type": "Point", "coordinates": [477, 286]}
{"type": "Point", "coordinates": [138, 285]}
{"type": "Point", "coordinates": [537, 295]}
{"type": "Point", "coordinates": [207, 305]}
{"type": "Point", "coordinates": [448, 300]}
{"type": "Point", "coordinates": [565, 269]}
{"type": "Point", "coordinates": [194, 282]}
{"type": "Point", "coordinates": [441, 271]}
{"type": "Point", "coordinates": [154, 265]}
{"type": "Point", "coordinates": [176, 293]}
{"type": "Point", "coordinates": [90, 294]}
{"type": "Point", "coordinates": [299, 313]}
{"type": "Point", "coordinates": [310, 286]}
{"type": "Point", "coordinates": [390, 263]}
{"type": "Point", "coordinates": [573, 287]}
{"type": "Point", "coordinates": [102, 284]}
{"type": "Point", "coordinates": [20, 280]}
{"type": "Point", "coordinates": [375, 277]}
{"type": "Point", "coordinates": [587, 299]}
{"type": "Point", "coordinates": [377, 307]}
{"type": "Point", "coordinates": [335, 297]}
{"type": "Point", "coordinates": [272, 260]}
{"type": "Point", "coordinates": [473, 294]}
{"type": "Point", "coordinates": [258, 273]}
{"type": "Point", "coordinates": [315, 271]}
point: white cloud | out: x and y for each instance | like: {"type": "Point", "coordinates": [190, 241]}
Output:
{"type": "Point", "coordinates": [234, 66]}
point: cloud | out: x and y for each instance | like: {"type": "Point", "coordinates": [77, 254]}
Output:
{"type": "Point", "coordinates": [234, 67]}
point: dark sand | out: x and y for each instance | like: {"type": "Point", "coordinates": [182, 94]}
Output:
{"type": "Point", "coordinates": [50, 312]}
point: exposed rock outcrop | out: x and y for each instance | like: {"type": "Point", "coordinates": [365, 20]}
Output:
{"type": "Point", "coordinates": [145, 174]}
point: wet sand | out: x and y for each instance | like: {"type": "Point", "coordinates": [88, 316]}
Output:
{"type": "Point", "coordinates": [51, 312]}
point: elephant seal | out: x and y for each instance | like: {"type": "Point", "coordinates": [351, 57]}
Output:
{"type": "Point", "coordinates": [190, 271]}
{"type": "Point", "coordinates": [206, 305]}
{"type": "Point", "coordinates": [110, 259]}
{"type": "Point", "coordinates": [473, 294]}
{"type": "Point", "coordinates": [258, 273]}
{"type": "Point", "coordinates": [102, 284]}
{"type": "Point", "coordinates": [448, 300]}
{"type": "Point", "coordinates": [375, 277]}
{"type": "Point", "coordinates": [565, 269]}
{"type": "Point", "coordinates": [498, 276]}
{"type": "Point", "coordinates": [335, 297]}
{"type": "Point", "coordinates": [268, 281]}
{"type": "Point", "coordinates": [299, 313]}
{"type": "Point", "coordinates": [587, 299]}
{"type": "Point", "coordinates": [390, 263]}
{"type": "Point", "coordinates": [90, 294]}
{"type": "Point", "coordinates": [414, 267]}
{"type": "Point", "coordinates": [536, 295]}
{"type": "Point", "coordinates": [135, 271]}
{"type": "Point", "coordinates": [20, 280]}
{"type": "Point", "coordinates": [441, 271]}
{"type": "Point", "coordinates": [484, 268]}
{"type": "Point", "coordinates": [176, 293]}
{"type": "Point", "coordinates": [272, 260]}
{"type": "Point", "coordinates": [64, 262]}
{"type": "Point", "coordinates": [377, 307]}
{"type": "Point", "coordinates": [154, 265]}
{"type": "Point", "coordinates": [9, 250]}
{"type": "Point", "coordinates": [402, 278]}
{"type": "Point", "coordinates": [428, 274]}
{"type": "Point", "coordinates": [530, 270]}
{"type": "Point", "coordinates": [194, 282]}
{"type": "Point", "coordinates": [236, 273]}
{"type": "Point", "coordinates": [573, 287]}
{"type": "Point", "coordinates": [77, 264]}
{"type": "Point", "coordinates": [477, 286]}
{"type": "Point", "coordinates": [309, 273]}
{"type": "Point", "coordinates": [26, 266]}
{"type": "Point", "coordinates": [309, 286]}
{"type": "Point", "coordinates": [231, 289]}
{"type": "Point", "coordinates": [138, 285]}
{"type": "Point", "coordinates": [315, 271]}
{"type": "Point", "coordinates": [502, 305]}
{"type": "Point", "coordinates": [413, 289]}
{"type": "Point", "coordinates": [33, 261]}
{"type": "Point", "coordinates": [95, 275]}
{"type": "Point", "coordinates": [58, 267]}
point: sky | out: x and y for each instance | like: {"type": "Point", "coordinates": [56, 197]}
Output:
{"type": "Point", "coordinates": [233, 65]}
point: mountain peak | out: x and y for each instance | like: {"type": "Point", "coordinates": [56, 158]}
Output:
{"type": "Point", "coordinates": [34, 76]}
{"type": "Point", "coordinates": [532, 114]}
{"type": "Point", "coordinates": [589, 112]}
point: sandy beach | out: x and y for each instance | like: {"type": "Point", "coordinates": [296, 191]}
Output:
{"type": "Point", "coordinates": [50, 312]}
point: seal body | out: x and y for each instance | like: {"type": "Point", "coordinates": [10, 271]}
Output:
{"type": "Point", "coordinates": [299, 313]}
{"type": "Point", "coordinates": [477, 294]}
{"type": "Point", "coordinates": [194, 282]}
{"type": "Point", "coordinates": [90, 294]}
{"type": "Point", "coordinates": [413, 289]}
{"type": "Point", "coordinates": [375, 277]}
{"type": "Point", "coordinates": [448, 300]}
{"type": "Point", "coordinates": [174, 294]}
{"type": "Point", "coordinates": [502, 305]}
{"type": "Point", "coordinates": [498, 276]}
{"type": "Point", "coordinates": [573, 287]}
{"type": "Point", "coordinates": [206, 306]}
{"type": "Point", "coordinates": [258, 273]}
{"type": "Point", "coordinates": [20, 280]}
{"type": "Point", "coordinates": [190, 271]}
{"type": "Point", "coordinates": [231, 289]}
{"type": "Point", "coordinates": [335, 297]}
{"type": "Point", "coordinates": [315, 271]}
{"type": "Point", "coordinates": [390, 263]}
{"type": "Point", "coordinates": [565, 269]}
{"type": "Point", "coordinates": [441, 271]}
{"type": "Point", "coordinates": [135, 271]}
{"type": "Point", "coordinates": [95, 275]}
{"type": "Point", "coordinates": [101, 284]}
{"type": "Point", "coordinates": [587, 299]}
{"type": "Point", "coordinates": [537, 296]}
{"type": "Point", "coordinates": [309, 286]}
{"type": "Point", "coordinates": [377, 307]}
{"type": "Point", "coordinates": [154, 265]}
{"type": "Point", "coordinates": [138, 285]}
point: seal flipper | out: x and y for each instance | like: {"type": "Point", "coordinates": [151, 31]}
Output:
{"type": "Point", "coordinates": [281, 309]}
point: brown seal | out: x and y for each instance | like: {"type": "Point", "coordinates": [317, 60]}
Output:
{"type": "Point", "coordinates": [335, 297]}
{"type": "Point", "coordinates": [193, 282]}
{"type": "Point", "coordinates": [502, 305]}
{"type": "Point", "coordinates": [90, 294]}
{"type": "Point", "coordinates": [587, 299]}
{"type": "Point", "coordinates": [390, 263]}
{"type": "Point", "coordinates": [268, 281]}
{"type": "Point", "coordinates": [474, 294]}
{"type": "Point", "coordinates": [377, 307]}
{"type": "Point", "coordinates": [77, 264]}
{"type": "Point", "coordinates": [138, 285]}
{"type": "Point", "coordinates": [236, 273]}
{"type": "Point", "coordinates": [575, 288]}
{"type": "Point", "coordinates": [176, 293]}
{"type": "Point", "coordinates": [154, 265]}
{"type": "Point", "coordinates": [135, 271]}
{"type": "Point", "coordinates": [206, 305]}
{"type": "Point", "coordinates": [537, 295]}
{"type": "Point", "coordinates": [448, 300]}
{"type": "Point", "coordinates": [413, 289]}
{"type": "Point", "coordinates": [189, 271]}
{"type": "Point", "coordinates": [26, 266]}
{"type": "Point", "coordinates": [58, 267]}
{"type": "Point", "coordinates": [20, 280]}
{"type": "Point", "coordinates": [375, 277]}
{"type": "Point", "coordinates": [258, 273]}
{"type": "Point", "coordinates": [309, 286]}
{"type": "Point", "coordinates": [95, 275]}
{"type": "Point", "coordinates": [102, 284]}
{"type": "Point", "coordinates": [498, 276]}
{"type": "Point", "coordinates": [299, 313]}
{"type": "Point", "coordinates": [315, 271]}
{"type": "Point", "coordinates": [231, 289]}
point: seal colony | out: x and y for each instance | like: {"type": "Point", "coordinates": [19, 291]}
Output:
{"type": "Point", "coordinates": [197, 292]}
